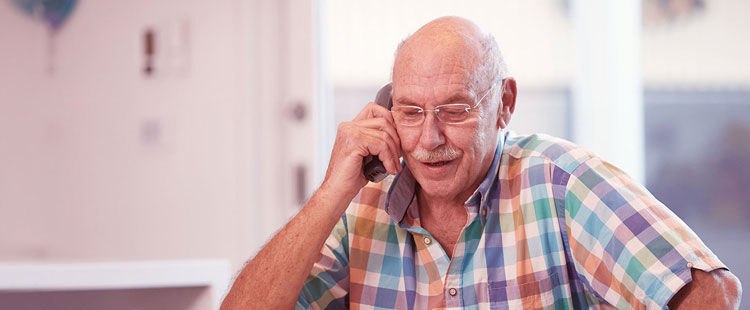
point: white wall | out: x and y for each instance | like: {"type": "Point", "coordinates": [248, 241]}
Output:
{"type": "Point", "coordinates": [706, 50]}
{"type": "Point", "coordinates": [100, 163]}
{"type": "Point", "coordinates": [537, 40]}
{"type": "Point", "coordinates": [535, 37]}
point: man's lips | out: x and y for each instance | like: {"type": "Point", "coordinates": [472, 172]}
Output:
{"type": "Point", "coordinates": [437, 163]}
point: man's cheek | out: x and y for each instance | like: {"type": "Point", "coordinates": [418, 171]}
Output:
{"type": "Point", "coordinates": [408, 143]}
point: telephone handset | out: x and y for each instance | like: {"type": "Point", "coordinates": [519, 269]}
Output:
{"type": "Point", "coordinates": [373, 169]}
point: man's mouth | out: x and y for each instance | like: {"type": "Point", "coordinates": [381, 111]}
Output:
{"type": "Point", "coordinates": [437, 163]}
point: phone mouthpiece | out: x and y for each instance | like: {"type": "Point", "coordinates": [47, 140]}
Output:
{"type": "Point", "coordinates": [374, 170]}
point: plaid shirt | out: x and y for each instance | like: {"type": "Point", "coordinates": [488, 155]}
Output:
{"type": "Point", "coordinates": [551, 226]}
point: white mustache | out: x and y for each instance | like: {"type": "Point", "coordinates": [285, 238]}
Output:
{"type": "Point", "coordinates": [444, 153]}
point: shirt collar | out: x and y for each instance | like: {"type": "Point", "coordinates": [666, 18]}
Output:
{"type": "Point", "coordinates": [401, 193]}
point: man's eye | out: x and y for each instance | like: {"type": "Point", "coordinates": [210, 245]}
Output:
{"type": "Point", "coordinates": [411, 112]}
{"type": "Point", "coordinates": [452, 111]}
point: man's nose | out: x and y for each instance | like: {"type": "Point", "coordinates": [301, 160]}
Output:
{"type": "Point", "coordinates": [432, 135]}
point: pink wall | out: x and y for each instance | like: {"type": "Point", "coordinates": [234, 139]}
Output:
{"type": "Point", "coordinates": [99, 162]}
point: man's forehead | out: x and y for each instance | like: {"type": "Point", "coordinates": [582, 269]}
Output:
{"type": "Point", "coordinates": [459, 76]}
{"type": "Point", "coordinates": [431, 66]}
{"type": "Point", "coordinates": [427, 75]}
{"type": "Point", "coordinates": [432, 58]}
{"type": "Point", "coordinates": [422, 65]}
{"type": "Point", "coordinates": [418, 81]}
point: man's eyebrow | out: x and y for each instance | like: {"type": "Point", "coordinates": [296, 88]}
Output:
{"type": "Point", "coordinates": [404, 101]}
{"type": "Point", "coordinates": [458, 97]}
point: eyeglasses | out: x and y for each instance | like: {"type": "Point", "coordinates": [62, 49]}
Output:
{"type": "Point", "coordinates": [453, 113]}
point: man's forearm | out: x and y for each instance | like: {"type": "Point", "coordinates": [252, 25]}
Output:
{"type": "Point", "coordinates": [274, 277]}
{"type": "Point", "coordinates": [718, 289]}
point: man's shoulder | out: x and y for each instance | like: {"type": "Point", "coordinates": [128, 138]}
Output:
{"type": "Point", "coordinates": [563, 153]}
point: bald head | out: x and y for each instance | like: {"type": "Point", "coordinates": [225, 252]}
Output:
{"type": "Point", "coordinates": [460, 40]}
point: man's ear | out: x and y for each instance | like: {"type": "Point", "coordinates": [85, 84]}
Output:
{"type": "Point", "coordinates": [507, 104]}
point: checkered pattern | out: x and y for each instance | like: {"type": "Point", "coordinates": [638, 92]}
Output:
{"type": "Point", "coordinates": [552, 226]}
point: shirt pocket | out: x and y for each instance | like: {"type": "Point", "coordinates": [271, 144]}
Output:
{"type": "Point", "coordinates": [529, 295]}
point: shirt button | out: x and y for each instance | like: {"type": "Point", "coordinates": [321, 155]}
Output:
{"type": "Point", "coordinates": [427, 240]}
{"type": "Point", "coordinates": [689, 265]}
{"type": "Point", "coordinates": [452, 291]}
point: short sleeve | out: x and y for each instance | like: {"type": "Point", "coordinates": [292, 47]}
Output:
{"type": "Point", "coordinates": [327, 285]}
{"type": "Point", "coordinates": [629, 248]}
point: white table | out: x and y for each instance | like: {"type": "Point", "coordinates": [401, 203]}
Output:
{"type": "Point", "coordinates": [44, 277]}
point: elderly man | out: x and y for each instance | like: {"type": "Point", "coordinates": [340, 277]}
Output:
{"type": "Point", "coordinates": [477, 217]}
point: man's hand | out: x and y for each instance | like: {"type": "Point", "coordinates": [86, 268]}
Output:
{"type": "Point", "coordinates": [372, 132]}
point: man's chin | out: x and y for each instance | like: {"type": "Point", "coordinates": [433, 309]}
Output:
{"type": "Point", "coordinates": [436, 179]}
{"type": "Point", "coordinates": [443, 189]}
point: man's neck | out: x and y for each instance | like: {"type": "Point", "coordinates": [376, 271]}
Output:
{"type": "Point", "coordinates": [443, 218]}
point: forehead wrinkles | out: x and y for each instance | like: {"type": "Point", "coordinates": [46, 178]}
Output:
{"type": "Point", "coordinates": [445, 59]}
{"type": "Point", "coordinates": [420, 90]}
{"type": "Point", "coordinates": [434, 70]}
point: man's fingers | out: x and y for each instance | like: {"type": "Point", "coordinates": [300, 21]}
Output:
{"type": "Point", "coordinates": [383, 125]}
{"type": "Point", "coordinates": [373, 110]}
{"type": "Point", "coordinates": [380, 148]}
{"type": "Point", "coordinates": [381, 145]}
{"type": "Point", "coordinates": [376, 116]}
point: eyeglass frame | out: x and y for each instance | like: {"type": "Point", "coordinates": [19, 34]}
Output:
{"type": "Point", "coordinates": [437, 109]}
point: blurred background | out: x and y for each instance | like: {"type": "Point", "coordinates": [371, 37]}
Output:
{"type": "Point", "coordinates": [149, 148]}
